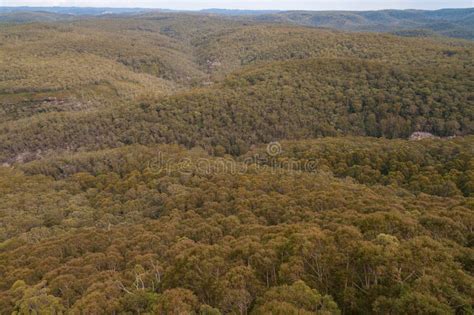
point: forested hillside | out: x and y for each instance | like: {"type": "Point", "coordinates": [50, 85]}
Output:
{"type": "Point", "coordinates": [111, 232]}
{"type": "Point", "coordinates": [325, 83]}
{"type": "Point", "coordinates": [456, 23]}
{"type": "Point", "coordinates": [165, 163]}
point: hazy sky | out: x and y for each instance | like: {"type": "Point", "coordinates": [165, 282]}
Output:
{"type": "Point", "coordinates": [252, 4]}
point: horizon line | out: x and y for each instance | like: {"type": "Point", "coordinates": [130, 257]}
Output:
{"type": "Point", "coordinates": [226, 9]}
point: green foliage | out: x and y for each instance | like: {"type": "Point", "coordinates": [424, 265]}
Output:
{"type": "Point", "coordinates": [439, 167]}
{"type": "Point", "coordinates": [303, 300]}
{"type": "Point", "coordinates": [448, 22]}
{"type": "Point", "coordinates": [177, 301]}
{"type": "Point", "coordinates": [123, 231]}
{"type": "Point", "coordinates": [35, 300]}
{"type": "Point", "coordinates": [135, 179]}
{"type": "Point", "coordinates": [329, 97]}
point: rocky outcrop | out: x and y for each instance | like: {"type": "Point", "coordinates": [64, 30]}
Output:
{"type": "Point", "coordinates": [420, 135]}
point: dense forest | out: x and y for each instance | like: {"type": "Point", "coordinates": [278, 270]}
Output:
{"type": "Point", "coordinates": [456, 23]}
{"type": "Point", "coordinates": [447, 22]}
{"type": "Point", "coordinates": [195, 163]}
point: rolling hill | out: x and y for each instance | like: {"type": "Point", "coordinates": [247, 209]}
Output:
{"type": "Point", "coordinates": [229, 84]}
{"type": "Point", "coordinates": [456, 23]}
{"type": "Point", "coordinates": [220, 163]}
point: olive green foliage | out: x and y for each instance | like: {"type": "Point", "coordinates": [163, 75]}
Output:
{"type": "Point", "coordinates": [437, 167]}
{"type": "Point", "coordinates": [135, 176]}
{"type": "Point", "coordinates": [118, 232]}
{"type": "Point", "coordinates": [295, 299]}
{"type": "Point", "coordinates": [99, 83]}
{"type": "Point", "coordinates": [294, 99]}
{"type": "Point", "coordinates": [447, 22]}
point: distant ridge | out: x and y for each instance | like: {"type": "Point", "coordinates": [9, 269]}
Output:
{"type": "Point", "coordinates": [239, 12]}
{"type": "Point", "coordinates": [76, 10]}
{"type": "Point", "coordinates": [457, 23]}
